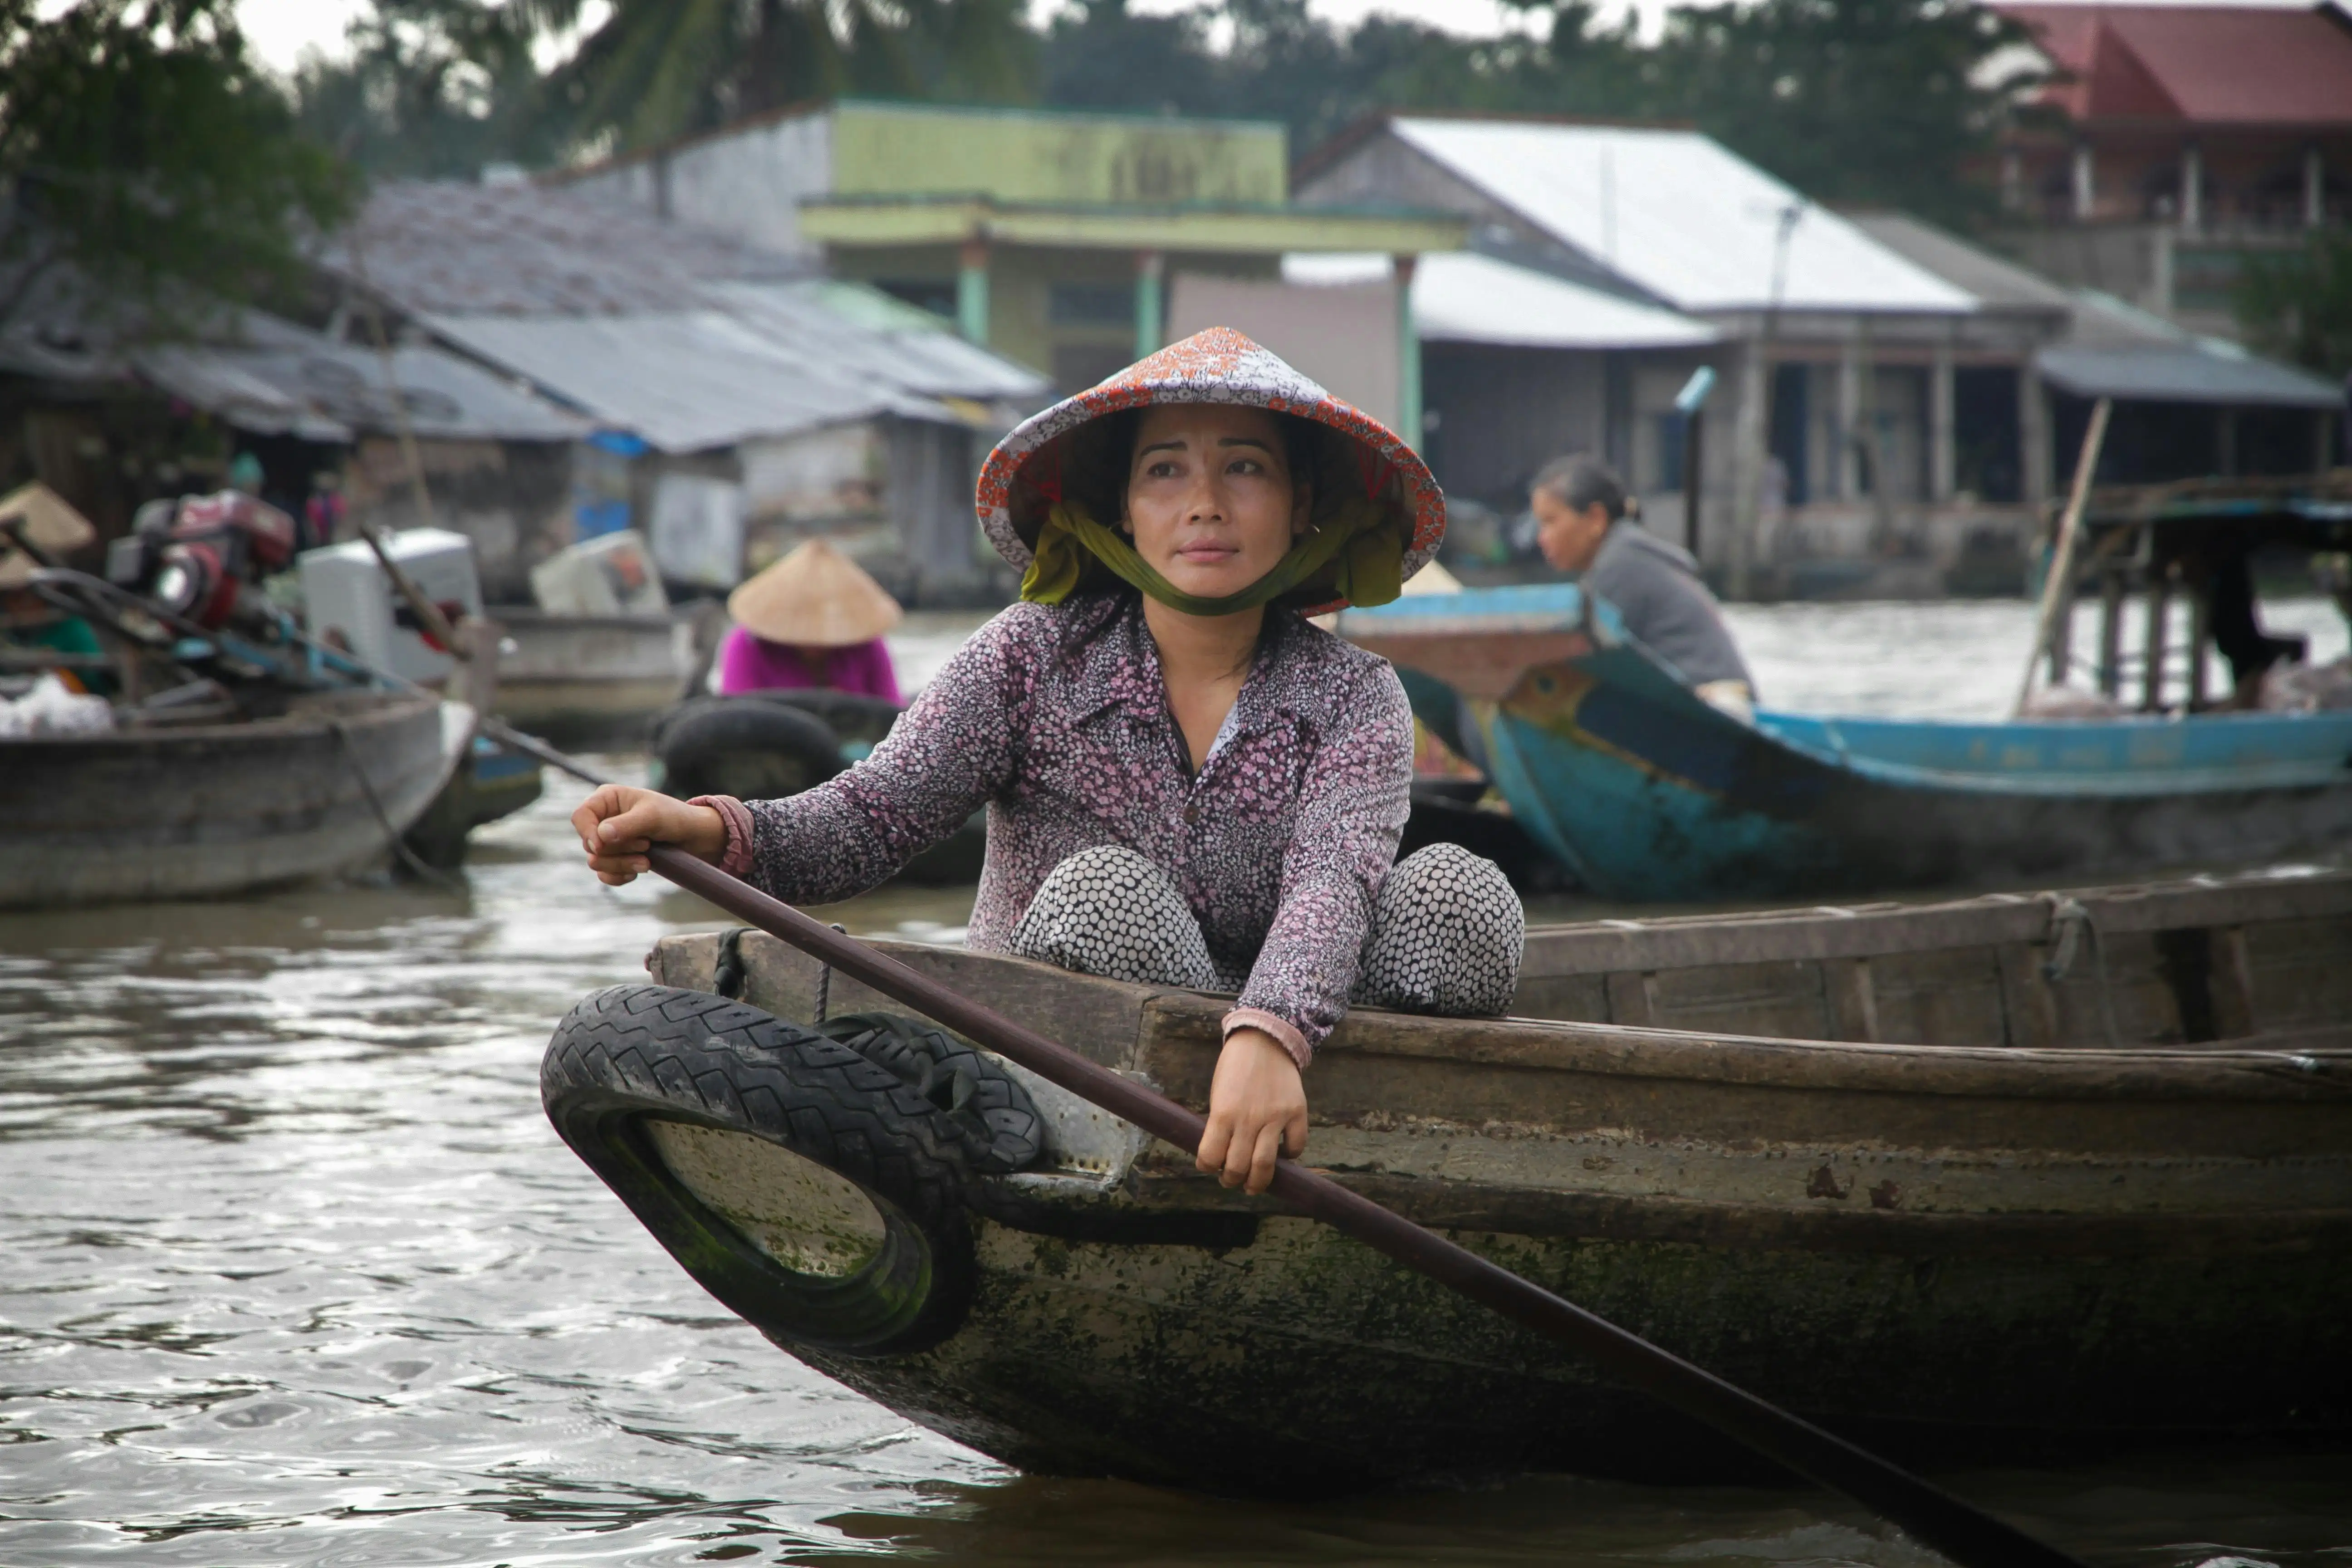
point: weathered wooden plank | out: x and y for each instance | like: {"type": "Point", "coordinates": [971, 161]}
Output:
{"type": "Point", "coordinates": [1096, 1017]}
{"type": "Point", "coordinates": [1850, 992]}
{"type": "Point", "coordinates": [1582, 998]}
{"type": "Point", "coordinates": [1629, 1000]}
{"type": "Point", "coordinates": [2301, 972]}
{"type": "Point", "coordinates": [1776, 998]}
{"type": "Point", "coordinates": [1787, 935]}
{"type": "Point", "coordinates": [1946, 997]}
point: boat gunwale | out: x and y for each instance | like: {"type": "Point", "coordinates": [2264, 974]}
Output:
{"type": "Point", "coordinates": [2307, 1066]}
{"type": "Point", "coordinates": [304, 724]}
{"type": "Point", "coordinates": [1820, 932]}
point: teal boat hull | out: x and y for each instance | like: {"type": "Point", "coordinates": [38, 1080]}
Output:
{"type": "Point", "coordinates": [1647, 793]}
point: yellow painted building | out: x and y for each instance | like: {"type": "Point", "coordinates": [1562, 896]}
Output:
{"type": "Point", "coordinates": [1046, 235]}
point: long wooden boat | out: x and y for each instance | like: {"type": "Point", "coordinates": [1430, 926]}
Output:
{"type": "Point", "coordinates": [1647, 793]}
{"type": "Point", "coordinates": [211, 809]}
{"type": "Point", "coordinates": [590, 679]}
{"type": "Point", "coordinates": [2010, 1178]}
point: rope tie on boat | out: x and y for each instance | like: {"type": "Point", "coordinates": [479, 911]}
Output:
{"type": "Point", "coordinates": [728, 977]}
{"type": "Point", "coordinates": [399, 846]}
{"type": "Point", "coordinates": [2070, 924]}
{"type": "Point", "coordinates": [824, 985]}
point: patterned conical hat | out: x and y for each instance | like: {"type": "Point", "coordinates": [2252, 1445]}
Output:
{"type": "Point", "coordinates": [1020, 481]}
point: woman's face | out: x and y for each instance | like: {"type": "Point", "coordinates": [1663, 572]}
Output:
{"type": "Point", "coordinates": [1568, 538]}
{"type": "Point", "coordinates": [1209, 500]}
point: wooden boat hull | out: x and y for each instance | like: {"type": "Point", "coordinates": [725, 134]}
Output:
{"type": "Point", "coordinates": [492, 784]}
{"type": "Point", "coordinates": [1959, 1253]}
{"type": "Point", "coordinates": [590, 679]}
{"type": "Point", "coordinates": [1647, 793]}
{"type": "Point", "coordinates": [213, 810]}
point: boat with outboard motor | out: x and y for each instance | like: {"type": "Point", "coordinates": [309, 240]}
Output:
{"type": "Point", "coordinates": [2003, 1178]}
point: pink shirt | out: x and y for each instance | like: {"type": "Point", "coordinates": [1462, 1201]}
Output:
{"type": "Point", "coordinates": [747, 663]}
{"type": "Point", "coordinates": [1056, 718]}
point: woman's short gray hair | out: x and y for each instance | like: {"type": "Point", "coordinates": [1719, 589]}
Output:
{"type": "Point", "coordinates": [1583, 480]}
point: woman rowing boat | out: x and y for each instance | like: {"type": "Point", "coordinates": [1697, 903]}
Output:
{"type": "Point", "coordinates": [1187, 783]}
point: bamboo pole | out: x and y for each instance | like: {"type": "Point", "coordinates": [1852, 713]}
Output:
{"type": "Point", "coordinates": [2058, 587]}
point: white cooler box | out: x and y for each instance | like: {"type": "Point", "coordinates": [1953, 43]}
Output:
{"type": "Point", "coordinates": [345, 590]}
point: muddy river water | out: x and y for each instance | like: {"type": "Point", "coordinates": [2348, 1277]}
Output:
{"type": "Point", "coordinates": [292, 1270]}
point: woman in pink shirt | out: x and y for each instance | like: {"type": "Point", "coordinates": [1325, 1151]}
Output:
{"type": "Point", "coordinates": [812, 619]}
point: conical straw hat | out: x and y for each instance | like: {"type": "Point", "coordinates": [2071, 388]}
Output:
{"type": "Point", "coordinates": [813, 597]}
{"type": "Point", "coordinates": [48, 520]}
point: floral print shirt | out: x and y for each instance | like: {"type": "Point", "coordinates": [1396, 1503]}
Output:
{"type": "Point", "coordinates": [1056, 719]}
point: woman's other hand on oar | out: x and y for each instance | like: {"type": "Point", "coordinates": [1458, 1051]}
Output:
{"type": "Point", "coordinates": [618, 824]}
{"type": "Point", "coordinates": [1257, 1110]}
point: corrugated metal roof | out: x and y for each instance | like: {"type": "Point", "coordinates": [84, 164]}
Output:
{"type": "Point", "coordinates": [308, 385]}
{"type": "Point", "coordinates": [686, 339]}
{"type": "Point", "coordinates": [1996, 280]}
{"type": "Point", "coordinates": [1466, 297]}
{"type": "Point", "coordinates": [1678, 215]}
{"type": "Point", "coordinates": [263, 374]}
{"type": "Point", "coordinates": [2183, 372]}
{"type": "Point", "coordinates": [683, 381]}
{"type": "Point", "coordinates": [441, 248]}
{"type": "Point", "coordinates": [871, 335]}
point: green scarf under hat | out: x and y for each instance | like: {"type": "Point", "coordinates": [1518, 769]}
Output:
{"type": "Point", "coordinates": [1362, 543]}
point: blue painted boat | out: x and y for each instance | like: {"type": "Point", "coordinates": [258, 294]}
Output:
{"type": "Point", "coordinates": [1645, 792]}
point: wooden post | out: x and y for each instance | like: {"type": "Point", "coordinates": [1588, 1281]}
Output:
{"type": "Point", "coordinates": [2201, 635]}
{"type": "Point", "coordinates": [2058, 588]}
{"type": "Point", "coordinates": [2111, 631]}
{"type": "Point", "coordinates": [972, 289]}
{"type": "Point", "coordinates": [2160, 604]}
{"type": "Point", "coordinates": [1693, 454]}
{"type": "Point", "coordinates": [1408, 342]}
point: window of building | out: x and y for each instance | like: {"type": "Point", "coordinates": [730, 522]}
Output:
{"type": "Point", "coordinates": [933, 294]}
{"type": "Point", "coordinates": [1090, 305]}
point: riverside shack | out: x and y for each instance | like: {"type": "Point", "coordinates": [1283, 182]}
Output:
{"type": "Point", "coordinates": [748, 400]}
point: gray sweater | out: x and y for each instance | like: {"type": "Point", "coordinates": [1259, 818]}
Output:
{"type": "Point", "coordinates": [1655, 586]}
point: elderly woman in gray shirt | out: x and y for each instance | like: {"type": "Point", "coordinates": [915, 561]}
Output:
{"type": "Point", "coordinates": [1584, 530]}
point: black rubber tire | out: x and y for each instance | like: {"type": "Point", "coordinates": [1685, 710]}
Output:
{"type": "Point", "coordinates": [857, 721]}
{"type": "Point", "coordinates": [994, 1115]}
{"type": "Point", "coordinates": [743, 746]}
{"type": "Point", "coordinates": [635, 1053]}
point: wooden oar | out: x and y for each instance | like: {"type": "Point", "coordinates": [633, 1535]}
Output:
{"type": "Point", "coordinates": [1966, 1534]}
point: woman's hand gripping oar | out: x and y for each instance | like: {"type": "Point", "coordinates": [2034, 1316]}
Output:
{"type": "Point", "coordinates": [1966, 1534]}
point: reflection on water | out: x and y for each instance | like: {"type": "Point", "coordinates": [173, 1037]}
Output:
{"type": "Point", "coordinates": [293, 1271]}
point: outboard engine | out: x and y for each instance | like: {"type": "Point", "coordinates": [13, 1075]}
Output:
{"type": "Point", "coordinates": [203, 557]}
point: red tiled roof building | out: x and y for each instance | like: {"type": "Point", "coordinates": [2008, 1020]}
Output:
{"type": "Point", "coordinates": [2201, 116]}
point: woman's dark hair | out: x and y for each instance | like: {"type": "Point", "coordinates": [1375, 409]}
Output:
{"type": "Point", "coordinates": [1583, 480]}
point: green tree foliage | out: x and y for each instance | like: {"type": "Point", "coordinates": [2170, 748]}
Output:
{"type": "Point", "coordinates": [431, 88]}
{"type": "Point", "coordinates": [659, 68]}
{"type": "Point", "coordinates": [139, 143]}
{"type": "Point", "coordinates": [1861, 101]}
{"type": "Point", "coordinates": [2298, 306]}
{"type": "Point", "coordinates": [1851, 100]}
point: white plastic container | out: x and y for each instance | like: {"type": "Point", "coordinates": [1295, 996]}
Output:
{"type": "Point", "coordinates": [611, 574]}
{"type": "Point", "coordinates": [345, 591]}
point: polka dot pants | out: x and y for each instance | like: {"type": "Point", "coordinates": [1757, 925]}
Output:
{"type": "Point", "coordinates": [1447, 930]}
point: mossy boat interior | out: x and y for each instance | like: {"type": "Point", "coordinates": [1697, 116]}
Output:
{"type": "Point", "coordinates": [1999, 1179]}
